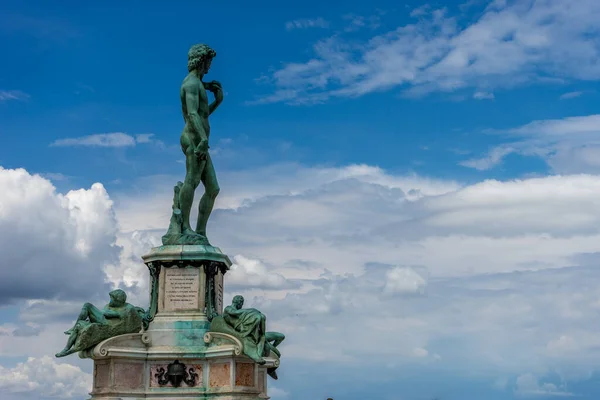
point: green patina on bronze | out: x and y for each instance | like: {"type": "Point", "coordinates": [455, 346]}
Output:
{"type": "Point", "coordinates": [194, 144]}
{"type": "Point", "coordinates": [95, 325]}
{"type": "Point", "coordinates": [249, 326]}
{"type": "Point", "coordinates": [154, 269]}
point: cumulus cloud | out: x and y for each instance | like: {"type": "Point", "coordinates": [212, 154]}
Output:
{"type": "Point", "coordinates": [509, 44]}
{"type": "Point", "coordinates": [404, 280]}
{"type": "Point", "coordinates": [497, 275]}
{"type": "Point", "coordinates": [506, 323]}
{"type": "Point", "coordinates": [529, 385]}
{"type": "Point", "coordinates": [343, 221]}
{"type": "Point", "coordinates": [242, 188]}
{"type": "Point", "coordinates": [53, 245]}
{"type": "Point", "coordinates": [253, 274]}
{"type": "Point", "coordinates": [44, 378]}
{"type": "Point", "coordinates": [130, 273]}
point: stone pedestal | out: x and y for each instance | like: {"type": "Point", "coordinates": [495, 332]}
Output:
{"type": "Point", "coordinates": [177, 357]}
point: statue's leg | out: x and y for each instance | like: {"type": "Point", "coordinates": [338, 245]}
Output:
{"type": "Point", "coordinates": [96, 315]}
{"type": "Point", "coordinates": [270, 348]}
{"type": "Point", "coordinates": [271, 372]}
{"type": "Point", "coordinates": [275, 338]}
{"type": "Point", "coordinates": [193, 175]}
{"type": "Point", "coordinates": [70, 342]}
{"type": "Point", "coordinates": [91, 312]}
{"type": "Point", "coordinates": [260, 346]}
{"type": "Point", "coordinates": [211, 190]}
{"type": "Point", "coordinates": [65, 353]}
{"type": "Point", "coordinates": [276, 351]}
{"type": "Point", "coordinates": [263, 325]}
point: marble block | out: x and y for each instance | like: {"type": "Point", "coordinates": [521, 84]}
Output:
{"type": "Point", "coordinates": [101, 377]}
{"type": "Point", "coordinates": [129, 375]}
{"type": "Point", "coordinates": [244, 374]}
{"type": "Point", "coordinates": [219, 374]}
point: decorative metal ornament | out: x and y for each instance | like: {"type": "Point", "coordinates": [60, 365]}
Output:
{"type": "Point", "coordinates": [175, 374]}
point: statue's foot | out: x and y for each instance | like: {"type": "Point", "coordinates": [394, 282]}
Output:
{"type": "Point", "coordinates": [203, 235]}
{"type": "Point", "coordinates": [188, 231]}
{"type": "Point", "coordinates": [63, 353]}
{"type": "Point", "coordinates": [192, 237]}
{"type": "Point", "coordinates": [271, 372]}
{"type": "Point", "coordinates": [69, 331]}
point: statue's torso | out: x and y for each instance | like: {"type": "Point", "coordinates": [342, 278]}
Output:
{"type": "Point", "coordinates": [192, 81]}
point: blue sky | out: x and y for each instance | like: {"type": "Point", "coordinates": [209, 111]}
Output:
{"type": "Point", "coordinates": [421, 176]}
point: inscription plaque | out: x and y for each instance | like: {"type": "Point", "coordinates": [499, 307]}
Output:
{"type": "Point", "coordinates": [182, 287]}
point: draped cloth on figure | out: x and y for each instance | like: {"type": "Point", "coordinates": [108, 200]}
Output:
{"type": "Point", "coordinates": [248, 325]}
{"type": "Point", "coordinates": [248, 322]}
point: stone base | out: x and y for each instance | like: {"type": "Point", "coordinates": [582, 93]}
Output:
{"type": "Point", "coordinates": [186, 288]}
{"type": "Point", "coordinates": [128, 367]}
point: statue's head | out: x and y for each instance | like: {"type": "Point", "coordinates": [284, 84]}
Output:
{"type": "Point", "coordinates": [200, 57]}
{"type": "Point", "coordinates": [117, 298]}
{"type": "Point", "coordinates": [238, 301]}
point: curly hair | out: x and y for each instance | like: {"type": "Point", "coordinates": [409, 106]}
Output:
{"type": "Point", "coordinates": [198, 54]}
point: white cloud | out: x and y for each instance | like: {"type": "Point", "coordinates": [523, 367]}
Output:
{"type": "Point", "coordinates": [306, 23]}
{"type": "Point", "coordinates": [493, 158]}
{"type": "Point", "coordinates": [404, 280]}
{"type": "Point", "coordinates": [569, 145]}
{"type": "Point", "coordinates": [44, 378]}
{"type": "Point", "coordinates": [531, 223]}
{"type": "Point", "coordinates": [356, 22]}
{"type": "Point", "coordinates": [571, 95]}
{"type": "Point", "coordinates": [241, 188]}
{"type": "Point", "coordinates": [116, 139]}
{"type": "Point", "coordinates": [250, 273]}
{"type": "Point", "coordinates": [7, 95]}
{"type": "Point", "coordinates": [508, 45]}
{"type": "Point", "coordinates": [482, 95]}
{"type": "Point", "coordinates": [420, 352]}
{"type": "Point", "coordinates": [129, 272]}
{"type": "Point", "coordinates": [55, 176]}
{"type": "Point", "coordinates": [529, 385]}
{"type": "Point", "coordinates": [420, 11]}
{"type": "Point", "coordinates": [45, 235]}
{"type": "Point", "coordinates": [497, 276]}
{"type": "Point", "coordinates": [144, 137]}
{"type": "Point", "coordinates": [276, 393]}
